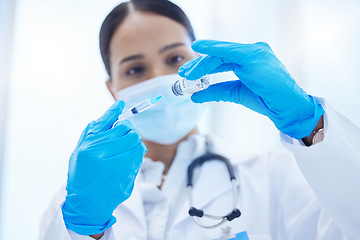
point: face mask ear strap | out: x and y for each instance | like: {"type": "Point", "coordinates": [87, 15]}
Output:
{"type": "Point", "coordinates": [111, 89]}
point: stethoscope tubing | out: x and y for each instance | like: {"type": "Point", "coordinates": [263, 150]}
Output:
{"type": "Point", "coordinates": [198, 213]}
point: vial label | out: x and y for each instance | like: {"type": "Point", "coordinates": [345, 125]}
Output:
{"type": "Point", "coordinates": [184, 86]}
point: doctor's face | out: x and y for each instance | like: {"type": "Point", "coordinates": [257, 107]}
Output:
{"type": "Point", "coordinates": [144, 46]}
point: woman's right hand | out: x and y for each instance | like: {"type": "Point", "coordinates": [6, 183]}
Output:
{"type": "Point", "coordinates": [264, 84]}
{"type": "Point", "coordinates": [102, 171]}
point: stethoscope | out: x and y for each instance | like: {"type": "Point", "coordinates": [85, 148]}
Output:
{"type": "Point", "coordinates": [198, 213]}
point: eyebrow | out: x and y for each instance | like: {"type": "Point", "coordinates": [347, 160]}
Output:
{"type": "Point", "coordinates": [132, 57]}
{"type": "Point", "coordinates": [161, 50]}
{"type": "Point", "coordinates": [171, 46]}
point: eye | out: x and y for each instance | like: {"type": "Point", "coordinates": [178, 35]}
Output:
{"type": "Point", "coordinates": [135, 70]}
{"type": "Point", "coordinates": [176, 59]}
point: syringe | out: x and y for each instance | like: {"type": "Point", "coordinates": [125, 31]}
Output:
{"type": "Point", "coordinates": [137, 109]}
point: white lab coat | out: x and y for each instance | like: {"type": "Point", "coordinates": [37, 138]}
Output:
{"type": "Point", "coordinates": [275, 198]}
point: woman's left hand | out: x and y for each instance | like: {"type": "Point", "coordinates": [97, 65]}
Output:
{"type": "Point", "coordinates": [264, 84]}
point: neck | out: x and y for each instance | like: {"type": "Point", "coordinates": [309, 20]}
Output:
{"type": "Point", "coordinates": [164, 153]}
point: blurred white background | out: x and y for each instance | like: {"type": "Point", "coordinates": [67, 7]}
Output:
{"type": "Point", "coordinates": [52, 82]}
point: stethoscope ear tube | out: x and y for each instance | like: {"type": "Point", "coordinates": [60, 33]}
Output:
{"type": "Point", "coordinates": [198, 213]}
{"type": "Point", "coordinates": [234, 214]}
{"type": "Point", "coordinates": [208, 156]}
{"type": "Point", "coordinates": [194, 212]}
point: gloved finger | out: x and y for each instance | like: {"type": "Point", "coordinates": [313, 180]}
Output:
{"type": "Point", "coordinates": [225, 91]}
{"type": "Point", "coordinates": [84, 133]}
{"type": "Point", "coordinates": [232, 91]}
{"type": "Point", "coordinates": [123, 122]}
{"type": "Point", "coordinates": [133, 158]}
{"type": "Point", "coordinates": [120, 129]}
{"type": "Point", "coordinates": [114, 146]}
{"type": "Point", "coordinates": [205, 65]}
{"type": "Point", "coordinates": [186, 65]}
{"type": "Point", "coordinates": [114, 171]}
{"type": "Point", "coordinates": [127, 163]}
{"type": "Point", "coordinates": [235, 52]}
{"type": "Point", "coordinates": [251, 100]}
{"type": "Point", "coordinates": [106, 121]}
{"type": "Point", "coordinates": [268, 80]}
{"type": "Point", "coordinates": [122, 187]}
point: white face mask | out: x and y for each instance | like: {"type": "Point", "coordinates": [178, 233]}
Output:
{"type": "Point", "coordinates": [169, 119]}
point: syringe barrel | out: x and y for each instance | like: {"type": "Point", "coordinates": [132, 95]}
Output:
{"type": "Point", "coordinates": [142, 106]}
{"type": "Point", "coordinates": [134, 110]}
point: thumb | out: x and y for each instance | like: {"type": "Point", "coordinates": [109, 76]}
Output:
{"type": "Point", "coordinates": [233, 91]}
{"type": "Point", "coordinates": [106, 121]}
{"type": "Point", "coordinates": [225, 91]}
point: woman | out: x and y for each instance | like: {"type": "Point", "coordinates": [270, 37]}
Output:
{"type": "Point", "coordinates": [143, 44]}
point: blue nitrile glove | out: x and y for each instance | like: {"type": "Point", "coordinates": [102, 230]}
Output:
{"type": "Point", "coordinates": [264, 84]}
{"type": "Point", "coordinates": [102, 171]}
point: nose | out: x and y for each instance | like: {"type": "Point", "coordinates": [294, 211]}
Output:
{"type": "Point", "coordinates": [159, 70]}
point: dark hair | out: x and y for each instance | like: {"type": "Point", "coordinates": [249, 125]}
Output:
{"type": "Point", "coordinates": [118, 14]}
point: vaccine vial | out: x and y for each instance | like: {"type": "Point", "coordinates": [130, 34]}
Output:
{"type": "Point", "coordinates": [184, 86]}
